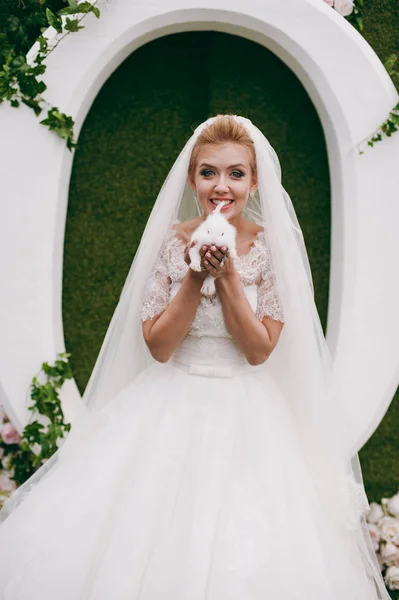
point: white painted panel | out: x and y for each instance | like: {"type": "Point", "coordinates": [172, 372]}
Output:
{"type": "Point", "coordinates": [352, 94]}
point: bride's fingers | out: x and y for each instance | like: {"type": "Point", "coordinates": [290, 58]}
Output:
{"type": "Point", "coordinates": [188, 247]}
{"type": "Point", "coordinates": [212, 270]}
{"type": "Point", "coordinates": [212, 259]}
{"type": "Point", "coordinates": [218, 253]}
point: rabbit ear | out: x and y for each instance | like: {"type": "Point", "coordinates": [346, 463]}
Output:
{"type": "Point", "coordinates": [219, 207]}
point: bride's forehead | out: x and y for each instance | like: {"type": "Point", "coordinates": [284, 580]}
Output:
{"type": "Point", "coordinates": [227, 154]}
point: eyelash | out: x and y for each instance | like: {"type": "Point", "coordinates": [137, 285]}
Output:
{"type": "Point", "coordinates": [238, 175]}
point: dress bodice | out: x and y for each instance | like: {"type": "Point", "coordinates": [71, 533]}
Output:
{"type": "Point", "coordinates": [208, 337]}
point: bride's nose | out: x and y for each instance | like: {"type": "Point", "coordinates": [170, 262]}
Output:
{"type": "Point", "coordinates": [221, 185]}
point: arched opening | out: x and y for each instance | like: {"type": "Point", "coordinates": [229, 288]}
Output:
{"type": "Point", "coordinates": [133, 132]}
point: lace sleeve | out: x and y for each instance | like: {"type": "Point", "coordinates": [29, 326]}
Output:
{"type": "Point", "coordinates": [268, 300]}
{"type": "Point", "coordinates": [156, 298]}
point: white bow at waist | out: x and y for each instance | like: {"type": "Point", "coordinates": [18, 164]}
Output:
{"type": "Point", "coordinates": [214, 370]}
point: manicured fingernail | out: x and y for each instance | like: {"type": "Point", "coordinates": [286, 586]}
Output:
{"type": "Point", "coordinates": [213, 248]}
{"type": "Point", "coordinates": [223, 248]}
{"type": "Point", "coordinates": [204, 247]}
{"type": "Point", "coordinates": [208, 254]}
{"type": "Point", "coordinates": [206, 262]}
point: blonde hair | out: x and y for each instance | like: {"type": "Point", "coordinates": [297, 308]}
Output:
{"type": "Point", "coordinates": [224, 129]}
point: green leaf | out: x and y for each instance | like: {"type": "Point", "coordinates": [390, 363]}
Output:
{"type": "Point", "coordinates": [32, 432]}
{"type": "Point", "coordinates": [72, 25]}
{"type": "Point", "coordinates": [30, 86]}
{"type": "Point", "coordinates": [33, 104]}
{"type": "Point", "coordinates": [20, 65]}
{"type": "Point", "coordinates": [54, 20]}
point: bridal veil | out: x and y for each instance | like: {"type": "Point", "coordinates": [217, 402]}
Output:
{"type": "Point", "coordinates": [300, 363]}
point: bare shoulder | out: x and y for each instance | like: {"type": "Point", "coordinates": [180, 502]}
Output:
{"type": "Point", "coordinates": [185, 230]}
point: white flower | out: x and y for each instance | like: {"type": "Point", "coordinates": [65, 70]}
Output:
{"type": "Point", "coordinates": [393, 505]}
{"type": "Point", "coordinates": [344, 7]}
{"type": "Point", "coordinates": [6, 484]}
{"type": "Point", "coordinates": [375, 514]}
{"type": "Point", "coordinates": [392, 578]}
{"type": "Point", "coordinates": [380, 561]}
{"type": "Point", "coordinates": [375, 535]}
{"type": "Point", "coordinates": [390, 555]}
{"type": "Point", "coordinates": [6, 462]}
{"type": "Point", "coordinates": [389, 527]}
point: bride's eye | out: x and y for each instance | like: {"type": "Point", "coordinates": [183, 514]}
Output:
{"type": "Point", "coordinates": [206, 172]}
{"type": "Point", "coordinates": [238, 174]}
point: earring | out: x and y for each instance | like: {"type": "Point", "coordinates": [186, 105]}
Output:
{"type": "Point", "coordinates": [252, 195]}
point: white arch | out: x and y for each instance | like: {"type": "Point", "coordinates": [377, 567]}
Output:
{"type": "Point", "coordinates": [352, 94]}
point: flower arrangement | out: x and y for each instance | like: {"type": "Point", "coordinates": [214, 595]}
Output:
{"type": "Point", "coordinates": [352, 10]}
{"type": "Point", "coordinates": [21, 455]}
{"type": "Point", "coordinates": [9, 443]}
{"type": "Point", "coordinates": [383, 525]}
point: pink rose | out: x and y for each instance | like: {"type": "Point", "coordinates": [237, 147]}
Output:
{"type": "Point", "coordinates": [389, 527]}
{"type": "Point", "coordinates": [9, 434]}
{"type": "Point", "coordinates": [344, 7]}
{"type": "Point", "coordinates": [6, 484]}
{"type": "Point", "coordinates": [393, 505]}
{"type": "Point", "coordinates": [375, 535]}
{"type": "Point", "coordinates": [380, 561]}
{"type": "Point", "coordinates": [375, 513]}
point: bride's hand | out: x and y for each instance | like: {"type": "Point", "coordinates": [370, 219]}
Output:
{"type": "Point", "coordinates": [200, 274]}
{"type": "Point", "coordinates": [217, 261]}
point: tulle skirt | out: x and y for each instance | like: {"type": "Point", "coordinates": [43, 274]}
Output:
{"type": "Point", "coordinates": [185, 487]}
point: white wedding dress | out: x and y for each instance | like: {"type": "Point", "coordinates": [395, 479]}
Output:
{"type": "Point", "coordinates": [190, 485]}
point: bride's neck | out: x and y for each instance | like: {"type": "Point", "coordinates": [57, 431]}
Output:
{"type": "Point", "coordinates": [238, 222]}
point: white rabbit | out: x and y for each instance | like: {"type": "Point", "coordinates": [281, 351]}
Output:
{"type": "Point", "coordinates": [215, 230]}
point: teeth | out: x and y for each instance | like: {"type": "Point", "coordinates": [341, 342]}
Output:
{"type": "Point", "coordinates": [219, 201]}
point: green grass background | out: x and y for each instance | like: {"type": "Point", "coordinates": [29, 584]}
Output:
{"type": "Point", "coordinates": [135, 129]}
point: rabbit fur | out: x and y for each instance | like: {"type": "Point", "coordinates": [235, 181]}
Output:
{"type": "Point", "coordinates": [217, 231]}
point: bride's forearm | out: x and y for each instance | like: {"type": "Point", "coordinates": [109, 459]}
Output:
{"type": "Point", "coordinates": [250, 334]}
{"type": "Point", "coordinates": [164, 333]}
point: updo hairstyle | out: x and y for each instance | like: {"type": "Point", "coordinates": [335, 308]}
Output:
{"type": "Point", "coordinates": [224, 129]}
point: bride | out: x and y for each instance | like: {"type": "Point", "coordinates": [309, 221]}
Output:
{"type": "Point", "coordinates": [222, 469]}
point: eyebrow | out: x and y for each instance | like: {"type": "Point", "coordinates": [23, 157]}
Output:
{"type": "Point", "coordinates": [230, 167]}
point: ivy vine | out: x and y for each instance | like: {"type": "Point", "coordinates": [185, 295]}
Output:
{"type": "Point", "coordinates": [20, 83]}
{"type": "Point", "coordinates": [19, 80]}
{"type": "Point", "coordinates": [40, 438]}
{"type": "Point", "coordinates": [391, 124]}
{"type": "Point", "coordinates": [387, 128]}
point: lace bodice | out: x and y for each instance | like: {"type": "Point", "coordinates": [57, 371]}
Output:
{"type": "Point", "coordinates": [255, 272]}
